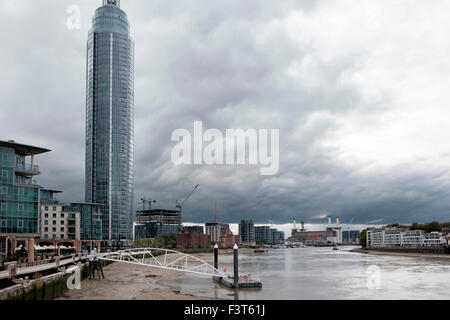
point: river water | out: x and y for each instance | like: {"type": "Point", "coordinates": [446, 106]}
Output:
{"type": "Point", "coordinates": [321, 273]}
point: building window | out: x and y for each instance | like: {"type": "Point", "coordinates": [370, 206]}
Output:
{"type": "Point", "coordinates": [4, 190]}
{"type": "Point", "coordinates": [54, 236]}
{"type": "Point", "coordinates": [3, 223]}
{"type": "Point", "coordinates": [54, 222]}
{"type": "Point", "coordinates": [20, 207]}
{"type": "Point", "coordinates": [54, 216]}
{"type": "Point", "coordinates": [54, 230]}
{"type": "Point", "coordinates": [46, 222]}
{"type": "Point", "coordinates": [5, 173]}
{"type": "Point", "coordinates": [20, 224]}
{"type": "Point", "coordinates": [54, 208]}
{"type": "Point", "coordinates": [62, 230]}
{"type": "Point", "coordinates": [4, 206]}
{"type": "Point", "coordinates": [46, 236]}
{"type": "Point", "coordinates": [46, 208]}
{"type": "Point", "coordinates": [46, 230]}
{"type": "Point", "coordinates": [21, 191]}
{"type": "Point", "coordinates": [62, 215]}
{"type": "Point", "coordinates": [46, 215]}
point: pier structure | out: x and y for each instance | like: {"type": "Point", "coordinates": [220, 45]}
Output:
{"type": "Point", "coordinates": [235, 281]}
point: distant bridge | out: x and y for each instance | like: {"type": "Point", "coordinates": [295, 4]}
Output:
{"type": "Point", "coordinates": [162, 259]}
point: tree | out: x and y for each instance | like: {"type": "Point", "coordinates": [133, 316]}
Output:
{"type": "Point", "coordinates": [143, 243]}
{"type": "Point", "coordinates": [158, 243]}
{"type": "Point", "coordinates": [168, 241]}
{"type": "Point", "coordinates": [363, 237]}
{"type": "Point", "coordinates": [415, 226]}
{"type": "Point", "coordinates": [432, 226]}
{"type": "Point", "coordinates": [260, 242]}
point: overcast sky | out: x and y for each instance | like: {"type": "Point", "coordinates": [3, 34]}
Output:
{"type": "Point", "coordinates": [359, 90]}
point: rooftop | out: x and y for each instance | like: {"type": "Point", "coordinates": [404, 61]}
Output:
{"type": "Point", "coordinates": [112, 2]}
{"type": "Point", "coordinates": [23, 149]}
{"type": "Point", "coordinates": [158, 212]}
{"type": "Point", "coordinates": [52, 191]}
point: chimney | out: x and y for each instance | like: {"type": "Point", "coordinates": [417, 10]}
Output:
{"type": "Point", "coordinates": [303, 225]}
{"type": "Point", "coordinates": [338, 222]}
{"type": "Point", "coordinates": [295, 224]}
{"type": "Point", "coordinates": [329, 221]}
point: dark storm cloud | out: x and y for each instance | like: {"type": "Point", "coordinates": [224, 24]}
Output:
{"type": "Point", "coordinates": [345, 82]}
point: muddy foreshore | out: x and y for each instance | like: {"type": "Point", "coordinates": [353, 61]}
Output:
{"type": "Point", "coordinates": [132, 282]}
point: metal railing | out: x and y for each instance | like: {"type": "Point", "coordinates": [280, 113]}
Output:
{"type": "Point", "coordinates": [27, 168]}
{"type": "Point", "coordinates": [25, 181]}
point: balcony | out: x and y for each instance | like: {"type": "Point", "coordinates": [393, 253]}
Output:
{"type": "Point", "coordinates": [22, 182]}
{"type": "Point", "coordinates": [27, 170]}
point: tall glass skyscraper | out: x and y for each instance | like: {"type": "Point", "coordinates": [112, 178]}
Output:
{"type": "Point", "coordinates": [110, 120]}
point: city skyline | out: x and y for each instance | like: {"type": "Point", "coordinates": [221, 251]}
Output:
{"type": "Point", "coordinates": [361, 107]}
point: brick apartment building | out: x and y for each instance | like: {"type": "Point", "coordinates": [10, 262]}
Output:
{"type": "Point", "coordinates": [229, 240]}
{"type": "Point", "coordinates": [191, 240]}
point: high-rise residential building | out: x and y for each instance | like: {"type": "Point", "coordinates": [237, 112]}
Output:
{"type": "Point", "coordinates": [263, 235]}
{"type": "Point", "coordinates": [19, 195]}
{"type": "Point", "coordinates": [215, 229]}
{"type": "Point", "coordinates": [151, 224]}
{"type": "Point", "coordinates": [110, 120]}
{"type": "Point", "coordinates": [247, 231]}
{"type": "Point", "coordinates": [277, 237]}
{"type": "Point", "coordinates": [57, 223]}
{"type": "Point", "coordinates": [73, 221]}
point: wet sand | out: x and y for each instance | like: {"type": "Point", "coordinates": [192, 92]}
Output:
{"type": "Point", "coordinates": [133, 282]}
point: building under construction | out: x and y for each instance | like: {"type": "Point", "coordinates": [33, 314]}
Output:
{"type": "Point", "coordinates": [151, 224]}
{"type": "Point", "coordinates": [330, 236]}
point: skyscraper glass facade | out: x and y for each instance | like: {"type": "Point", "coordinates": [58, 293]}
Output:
{"type": "Point", "coordinates": [110, 120]}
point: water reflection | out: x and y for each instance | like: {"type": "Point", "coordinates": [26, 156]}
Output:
{"type": "Point", "coordinates": [321, 273]}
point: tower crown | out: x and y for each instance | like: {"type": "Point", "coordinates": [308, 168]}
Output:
{"type": "Point", "coordinates": [112, 2]}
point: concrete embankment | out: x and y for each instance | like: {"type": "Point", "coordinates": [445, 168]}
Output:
{"type": "Point", "coordinates": [415, 253]}
{"type": "Point", "coordinates": [43, 288]}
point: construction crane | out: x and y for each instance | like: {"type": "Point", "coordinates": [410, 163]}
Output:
{"type": "Point", "coordinates": [149, 201]}
{"type": "Point", "coordinates": [180, 206]}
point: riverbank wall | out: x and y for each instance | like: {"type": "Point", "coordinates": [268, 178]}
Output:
{"type": "Point", "coordinates": [42, 288]}
{"type": "Point", "coordinates": [418, 250]}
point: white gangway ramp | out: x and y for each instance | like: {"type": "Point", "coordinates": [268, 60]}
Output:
{"type": "Point", "coordinates": [162, 259]}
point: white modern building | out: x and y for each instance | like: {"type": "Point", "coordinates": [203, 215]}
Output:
{"type": "Point", "coordinates": [413, 238]}
{"type": "Point", "coordinates": [434, 239]}
{"type": "Point", "coordinates": [393, 237]}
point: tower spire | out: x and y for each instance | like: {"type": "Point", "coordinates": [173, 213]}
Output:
{"type": "Point", "coordinates": [113, 2]}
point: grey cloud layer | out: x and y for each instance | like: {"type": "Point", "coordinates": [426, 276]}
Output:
{"type": "Point", "coordinates": [309, 68]}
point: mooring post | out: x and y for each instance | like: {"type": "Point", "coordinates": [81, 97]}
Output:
{"type": "Point", "coordinates": [216, 257]}
{"type": "Point", "coordinates": [236, 266]}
